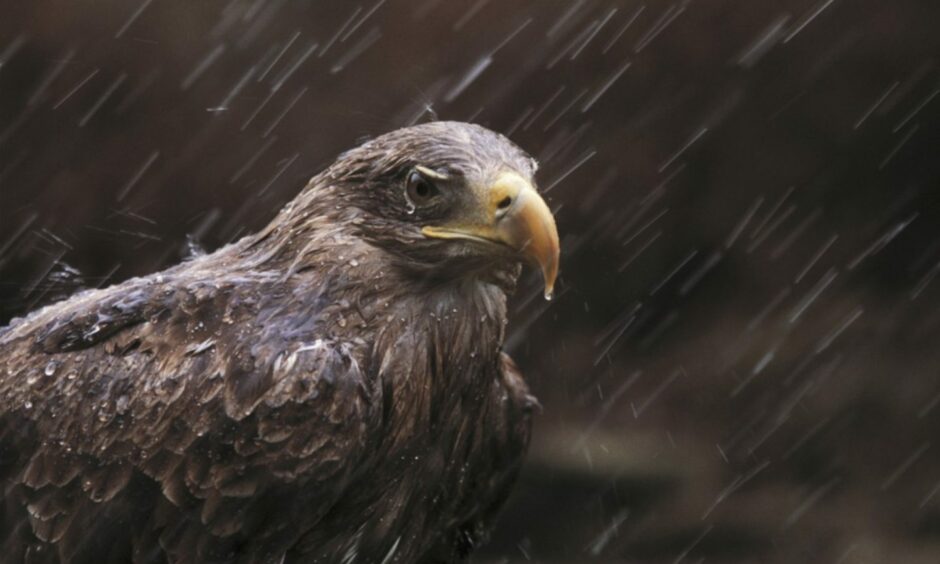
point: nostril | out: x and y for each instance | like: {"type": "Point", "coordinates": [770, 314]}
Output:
{"type": "Point", "coordinates": [504, 203]}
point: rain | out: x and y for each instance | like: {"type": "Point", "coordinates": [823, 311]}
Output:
{"type": "Point", "coordinates": [740, 361]}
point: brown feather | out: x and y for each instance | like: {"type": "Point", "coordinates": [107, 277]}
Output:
{"type": "Point", "coordinates": [330, 386]}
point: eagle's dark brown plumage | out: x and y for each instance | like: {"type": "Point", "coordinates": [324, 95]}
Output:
{"type": "Point", "coordinates": [330, 389]}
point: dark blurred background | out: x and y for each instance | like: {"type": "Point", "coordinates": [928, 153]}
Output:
{"type": "Point", "coordinates": [743, 361]}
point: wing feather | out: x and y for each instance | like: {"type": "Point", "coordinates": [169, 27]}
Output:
{"type": "Point", "coordinates": [189, 398]}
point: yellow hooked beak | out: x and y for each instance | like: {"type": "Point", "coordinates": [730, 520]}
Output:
{"type": "Point", "coordinates": [511, 213]}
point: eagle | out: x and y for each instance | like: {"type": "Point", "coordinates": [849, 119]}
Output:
{"type": "Point", "coordinates": [331, 389]}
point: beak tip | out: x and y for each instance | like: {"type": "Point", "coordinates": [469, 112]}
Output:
{"type": "Point", "coordinates": [549, 275]}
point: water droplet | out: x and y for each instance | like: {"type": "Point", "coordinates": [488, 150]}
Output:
{"type": "Point", "coordinates": [354, 262]}
{"type": "Point", "coordinates": [410, 208]}
{"type": "Point", "coordinates": [549, 295]}
{"type": "Point", "coordinates": [28, 404]}
{"type": "Point", "coordinates": [51, 368]}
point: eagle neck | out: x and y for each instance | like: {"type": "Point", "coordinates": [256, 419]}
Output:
{"type": "Point", "coordinates": [438, 362]}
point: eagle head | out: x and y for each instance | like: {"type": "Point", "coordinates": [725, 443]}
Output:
{"type": "Point", "coordinates": [445, 196]}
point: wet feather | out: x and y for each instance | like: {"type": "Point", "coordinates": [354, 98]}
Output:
{"type": "Point", "coordinates": [334, 377]}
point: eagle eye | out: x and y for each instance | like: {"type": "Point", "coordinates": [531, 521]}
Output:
{"type": "Point", "coordinates": [420, 190]}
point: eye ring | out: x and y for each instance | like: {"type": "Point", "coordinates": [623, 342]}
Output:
{"type": "Point", "coordinates": [419, 189]}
